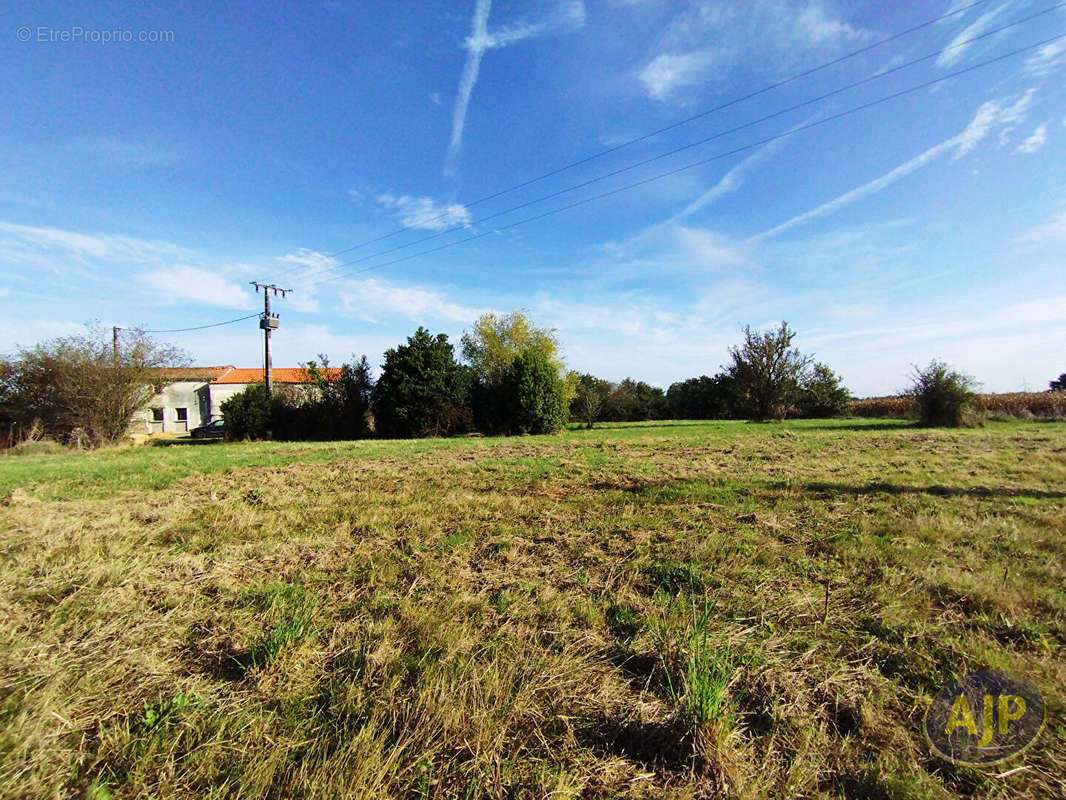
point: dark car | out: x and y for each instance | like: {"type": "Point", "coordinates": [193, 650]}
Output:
{"type": "Point", "coordinates": [212, 430]}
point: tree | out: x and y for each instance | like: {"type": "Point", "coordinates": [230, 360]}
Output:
{"type": "Point", "coordinates": [496, 340]}
{"type": "Point", "coordinates": [534, 394]}
{"type": "Point", "coordinates": [590, 397]}
{"type": "Point", "coordinates": [768, 371]}
{"type": "Point", "coordinates": [490, 349]}
{"type": "Point", "coordinates": [822, 394]}
{"type": "Point", "coordinates": [1059, 384]}
{"type": "Point", "coordinates": [945, 396]}
{"type": "Point", "coordinates": [85, 388]}
{"type": "Point", "coordinates": [422, 391]}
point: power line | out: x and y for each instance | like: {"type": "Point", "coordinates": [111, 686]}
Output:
{"type": "Point", "coordinates": [312, 272]}
{"type": "Point", "coordinates": [199, 327]}
{"type": "Point", "coordinates": [628, 143]}
{"type": "Point", "coordinates": [704, 161]}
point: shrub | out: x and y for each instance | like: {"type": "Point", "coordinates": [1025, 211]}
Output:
{"type": "Point", "coordinates": [534, 395]}
{"type": "Point", "coordinates": [945, 397]}
{"type": "Point", "coordinates": [83, 389]}
{"type": "Point", "coordinates": [326, 408]}
{"type": "Point", "coordinates": [422, 391]}
{"type": "Point", "coordinates": [250, 414]}
{"type": "Point", "coordinates": [768, 370]}
{"type": "Point", "coordinates": [822, 395]}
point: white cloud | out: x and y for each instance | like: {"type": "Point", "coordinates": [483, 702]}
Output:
{"type": "Point", "coordinates": [706, 40]}
{"type": "Point", "coordinates": [309, 260]}
{"type": "Point", "coordinates": [201, 285]}
{"type": "Point", "coordinates": [669, 72]}
{"type": "Point", "coordinates": [957, 50]}
{"type": "Point", "coordinates": [356, 196]}
{"type": "Point", "coordinates": [1047, 59]}
{"type": "Point", "coordinates": [1053, 230]}
{"type": "Point", "coordinates": [989, 116]}
{"type": "Point", "coordinates": [134, 151]}
{"type": "Point", "coordinates": [1036, 140]}
{"type": "Point", "coordinates": [425, 212]}
{"type": "Point", "coordinates": [371, 299]}
{"type": "Point", "coordinates": [308, 268]}
{"type": "Point", "coordinates": [84, 246]}
{"type": "Point", "coordinates": [566, 16]}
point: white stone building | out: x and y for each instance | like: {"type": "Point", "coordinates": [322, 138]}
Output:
{"type": "Point", "coordinates": [192, 396]}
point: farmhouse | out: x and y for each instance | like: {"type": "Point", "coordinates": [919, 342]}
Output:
{"type": "Point", "coordinates": [188, 397]}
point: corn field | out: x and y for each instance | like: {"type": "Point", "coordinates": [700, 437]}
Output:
{"type": "Point", "coordinates": [1020, 405]}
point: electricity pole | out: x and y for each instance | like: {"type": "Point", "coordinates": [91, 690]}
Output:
{"type": "Point", "coordinates": [114, 344]}
{"type": "Point", "coordinates": [268, 322]}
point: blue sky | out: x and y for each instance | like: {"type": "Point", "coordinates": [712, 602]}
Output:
{"type": "Point", "coordinates": [146, 182]}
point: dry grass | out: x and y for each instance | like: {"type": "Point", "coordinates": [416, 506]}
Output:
{"type": "Point", "coordinates": [634, 611]}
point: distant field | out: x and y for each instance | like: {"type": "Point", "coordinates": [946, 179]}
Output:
{"type": "Point", "coordinates": [635, 611]}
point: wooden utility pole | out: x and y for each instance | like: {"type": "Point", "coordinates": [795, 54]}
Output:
{"type": "Point", "coordinates": [268, 322]}
{"type": "Point", "coordinates": [114, 344]}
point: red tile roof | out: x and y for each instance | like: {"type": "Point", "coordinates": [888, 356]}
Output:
{"type": "Point", "coordinates": [191, 373]}
{"type": "Point", "coordinates": [277, 374]}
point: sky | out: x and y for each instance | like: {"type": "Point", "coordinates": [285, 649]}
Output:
{"type": "Point", "coordinates": [157, 158]}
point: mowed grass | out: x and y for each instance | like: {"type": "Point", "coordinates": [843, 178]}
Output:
{"type": "Point", "coordinates": [645, 610]}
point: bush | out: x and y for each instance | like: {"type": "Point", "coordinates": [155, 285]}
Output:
{"type": "Point", "coordinates": [326, 408]}
{"type": "Point", "coordinates": [822, 395]}
{"type": "Point", "coordinates": [534, 395]}
{"type": "Point", "coordinates": [422, 391]}
{"type": "Point", "coordinates": [945, 397]}
{"type": "Point", "coordinates": [250, 414]}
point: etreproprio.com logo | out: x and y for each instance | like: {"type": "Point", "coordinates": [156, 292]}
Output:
{"type": "Point", "coordinates": [77, 33]}
{"type": "Point", "coordinates": [985, 718]}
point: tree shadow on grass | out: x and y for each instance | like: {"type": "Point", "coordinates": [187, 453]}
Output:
{"type": "Point", "coordinates": [881, 487]}
{"type": "Point", "coordinates": [899, 425]}
{"type": "Point", "coordinates": [188, 440]}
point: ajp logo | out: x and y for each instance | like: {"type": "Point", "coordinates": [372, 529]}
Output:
{"type": "Point", "coordinates": [985, 718]}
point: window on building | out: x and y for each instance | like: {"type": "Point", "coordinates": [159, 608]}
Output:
{"type": "Point", "coordinates": [183, 414]}
{"type": "Point", "coordinates": [157, 415]}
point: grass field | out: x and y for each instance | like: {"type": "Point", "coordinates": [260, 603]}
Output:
{"type": "Point", "coordinates": [642, 610]}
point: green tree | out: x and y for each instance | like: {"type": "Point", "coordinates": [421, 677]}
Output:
{"type": "Point", "coordinates": [251, 413]}
{"type": "Point", "coordinates": [496, 340]}
{"type": "Point", "coordinates": [768, 371]}
{"type": "Point", "coordinates": [422, 390]}
{"type": "Point", "coordinates": [1059, 384]}
{"type": "Point", "coordinates": [590, 397]}
{"type": "Point", "coordinates": [822, 394]}
{"type": "Point", "coordinates": [534, 394]}
{"type": "Point", "coordinates": [85, 389]}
